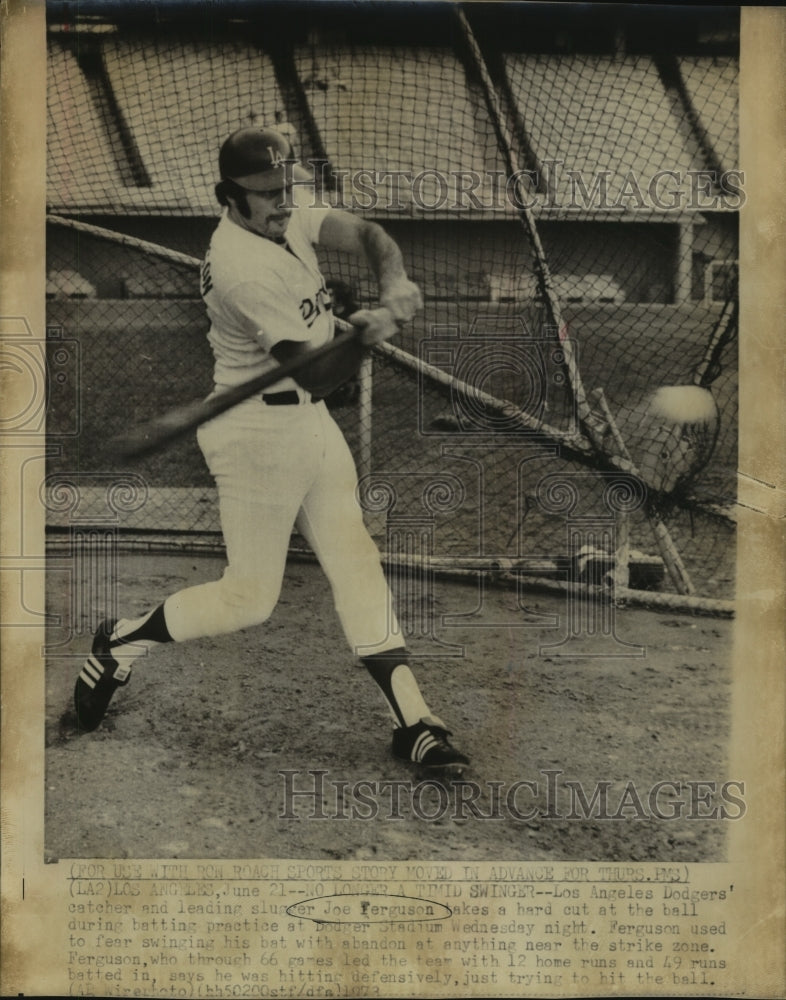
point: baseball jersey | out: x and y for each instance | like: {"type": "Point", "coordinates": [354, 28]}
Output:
{"type": "Point", "coordinates": [258, 292]}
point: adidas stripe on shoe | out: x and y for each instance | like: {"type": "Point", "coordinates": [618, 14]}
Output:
{"type": "Point", "coordinates": [101, 676]}
{"type": "Point", "coordinates": [427, 744]}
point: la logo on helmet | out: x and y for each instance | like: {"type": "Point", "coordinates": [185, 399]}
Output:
{"type": "Point", "coordinates": [276, 157]}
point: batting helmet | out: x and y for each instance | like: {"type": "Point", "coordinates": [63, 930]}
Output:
{"type": "Point", "coordinates": [259, 159]}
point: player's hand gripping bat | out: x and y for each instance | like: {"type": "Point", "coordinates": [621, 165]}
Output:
{"type": "Point", "coordinates": [369, 326]}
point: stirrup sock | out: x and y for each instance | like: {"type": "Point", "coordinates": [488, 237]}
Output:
{"type": "Point", "coordinates": [391, 672]}
{"type": "Point", "coordinates": [132, 638]}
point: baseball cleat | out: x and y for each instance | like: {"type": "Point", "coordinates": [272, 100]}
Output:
{"type": "Point", "coordinates": [101, 676]}
{"type": "Point", "coordinates": [428, 746]}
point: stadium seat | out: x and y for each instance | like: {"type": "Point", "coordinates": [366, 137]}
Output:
{"type": "Point", "coordinates": [587, 288]}
{"type": "Point", "coordinates": [81, 168]}
{"type": "Point", "coordinates": [385, 109]}
{"type": "Point", "coordinates": [163, 284]}
{"type": "Point", "coordinates": [712, 84]}
{"type": "Point", "coordinates": [598, 113]}
{"type": "Point", "coordinates": [65, 283]}
{"type": "Point", "coordinates": [179, 138]}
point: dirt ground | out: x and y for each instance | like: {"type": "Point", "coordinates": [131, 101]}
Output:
{"type": "Point", "coordinates": [188, 763]}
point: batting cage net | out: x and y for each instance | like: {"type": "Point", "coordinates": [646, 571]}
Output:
{"type": "Point", "coordinates": [564, 192]}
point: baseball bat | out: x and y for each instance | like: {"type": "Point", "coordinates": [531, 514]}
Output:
{"type": "Point", "coordinates": [154, 434]}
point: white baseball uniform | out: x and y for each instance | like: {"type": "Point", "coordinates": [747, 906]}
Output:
{"type": "Point", "coordinates": [278, 466]}
{"type": "Point", "coordinates": [278, 458]}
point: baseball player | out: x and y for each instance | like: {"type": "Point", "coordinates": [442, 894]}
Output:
{"type": "Point", "coordinates": [278, 458]}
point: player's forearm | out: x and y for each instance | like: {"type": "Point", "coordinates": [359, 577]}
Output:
{"type": "Point", "coordinates": [348, 234]}
{"type": "Point", "coordinates": [383, 256]}
{"type": "Point", "coordinates": [396, 292]}
{"type": "Point", "coordinates": [322, 376]}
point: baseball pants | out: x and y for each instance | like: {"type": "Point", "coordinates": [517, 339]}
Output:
{"type": "Point", "coordinates": [276, 467]}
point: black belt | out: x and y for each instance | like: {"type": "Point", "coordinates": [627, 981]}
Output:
{"type": "Point", "coordinates": [288, 398]}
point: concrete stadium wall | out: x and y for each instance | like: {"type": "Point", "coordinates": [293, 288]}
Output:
{"type": "Point", "coordinates": [461, 259]}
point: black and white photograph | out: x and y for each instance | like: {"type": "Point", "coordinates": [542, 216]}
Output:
{"type": "Point", "coordinates": [487, 534]}
{"type": "Point", "coordinates": [391, 488]}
